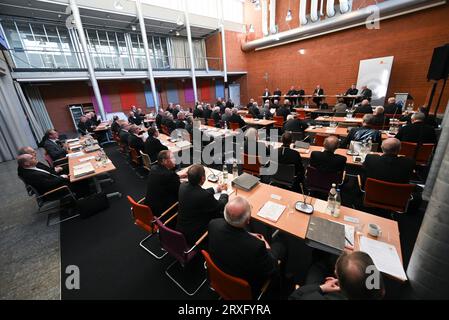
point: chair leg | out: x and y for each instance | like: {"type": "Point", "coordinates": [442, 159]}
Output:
{"type": "Point", "coordinates": [60, 220]}
{"type": "Point", "coordinates": [178, 284]}
{"type": "Point", "coordinates": [148, 250]}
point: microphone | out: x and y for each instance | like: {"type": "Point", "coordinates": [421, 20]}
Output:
{"type": "Point", "coordinates": [212, 177]}
{"type": "Point", "coordinates": [303, 206]}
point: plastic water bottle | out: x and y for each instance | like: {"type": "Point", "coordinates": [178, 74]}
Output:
{"type": "Point", "coordinates": [331, 202]}
{"type": "Point", "coordinates": [336, 213]}
{"type": "Point", "coordinates": [235, 170]}
{"type": "Point", "coordinates": [369, 145]}
{"type": "Point", "coordinates": [226, 126]}
{"type": "Point", "coordinates": [225, 173]}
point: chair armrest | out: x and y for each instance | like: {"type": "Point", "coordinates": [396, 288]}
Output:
{"type": "Point", "coordinates": [264, 288]}
{"type": "Point", "coordinates": [197, 243]}
{"type": "Point", "coordinates": [56, 190]}
{"type": "Point", "coordinates": [60, 161]}
{"type": "Point", "coordinates": [168, 210]}
{"type": "Point", "coordinates": [359, 179]}
{"type": "Point", "coordinates": [171, 218]}
{"type": "Point", "coordinates": [344, 177]}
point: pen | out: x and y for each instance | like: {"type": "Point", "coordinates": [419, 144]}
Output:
{"type": "Point", "coordinates": [346, 238]}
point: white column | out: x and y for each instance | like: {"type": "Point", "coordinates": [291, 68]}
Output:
{"type": "Point", "coordinates": [189, 38]}
{"type": "Point", "coordinates": [223, 45]}
{"type": "Point", "coordinates": [147, 53]}
{"type": "Point", "coordinates": [87, 57]}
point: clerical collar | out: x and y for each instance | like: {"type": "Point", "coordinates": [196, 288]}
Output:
{"type": "Point", "coordinates": [54, 140]}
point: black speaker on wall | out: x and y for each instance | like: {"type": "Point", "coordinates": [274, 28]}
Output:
{"type": "Point", "coordinates": [439, 66]}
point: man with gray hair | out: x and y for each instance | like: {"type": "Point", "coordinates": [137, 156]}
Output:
{"type": "Point", "coordinates": [418, 131]}
{"type": "Point", "coordinates": [379, 118]}
{"type": "Point", "coordinates": [236, 118]}
{"type": "Point", "coordinates": [241, 253]}
{"type": "Point", "coordinates": [389, 166]}
{"type": "Point", "coordinates": [364, 133]}
{"type": "Point", "coordinates": [28, 150]}
{"type": "Point", "coordinates": [364, 107]}
{"type": "Point", "coordinates": [226, 115]}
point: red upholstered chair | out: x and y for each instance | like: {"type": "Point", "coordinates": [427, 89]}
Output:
{"type": "Point", "coordinates": [211, 122]}
{"type": "Point", "coordinates": [144, 218]}
{"type": "Point", "coordinates": [301, 114]}
{"type": "Point", "coordinates": [248, 115]}
{"type": "Point", "coordinates": [278, 121]}
{"type": "Point", "coordinates": [227, 286]}
{"type": "Point", "coordinates": [134, 156]}
{"type": "Point", "coordinates": [251, 164]}
{"type": "Point", "coordinates": [408, 149]}
{"type": "Point", "coordinates": [392, 115]}
{"type": "Point", "coordinates": [234, 126]}
{"type": "Point", "coordinates": [359, 115]}
{"type": "Point", "coordinates": [319, 140]}
{"type": "Point", "coordinates": [394, 197]}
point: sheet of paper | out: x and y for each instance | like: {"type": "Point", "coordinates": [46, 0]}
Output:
{"type": "Point", "coordinates": [351, 219]}
{"type": "Point", "coordinates": [86, 159]}
{"type": "Point", "coordinates": [271, 211]}
{"type": "Point", "coordinates": [72, 140]}
{"type": "Point", "coordinates": [75, 154]}
{"type": "Point", "coordinates": [275, 197]}
{"type": "Point", "coordinates": [349, 235]}
{"type": "Point", "coordinates": [320, 206]}
{"type": "Point", "coordinates": [385, 257]}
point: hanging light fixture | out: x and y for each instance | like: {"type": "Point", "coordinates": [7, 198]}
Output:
{"type": "Point", "coordinates": [257, 5]}
{"type": "Point", "coordinates": [251, 28]}
{"type": "Point", "coordinates": [177, 33]}
{"type": "Point", "coordinates": [179, 21]}
{"type": "Point", "coordinates": [288, 17]}
{"type": "Point", "coordinates": [118, 5]}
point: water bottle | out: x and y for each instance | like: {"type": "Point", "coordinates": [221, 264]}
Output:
{"type": "Point", "coordinates": [369, 146]}
{"type": "Point", "coordinates": [331, 203]}
{"type": "Point", "coordinates": [226, 126]}
{"type": "Point", "coordinates": [336, 213]}
{"type": "Point", "coordinates": [225, 173]}
{"type": "Point", "coordinates": [235, 169]}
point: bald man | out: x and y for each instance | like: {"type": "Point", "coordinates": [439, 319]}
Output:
{"type": "Point", "coordinates": [417, 131]}
{"type": "Point", "coordinates": [379, 118]}
{"type": "Point", "coordinates": [241, 253]}
{"type": "Point", "coordinates": [389, 167]}
{"type": "Point", "coordinates": [326, 160]}
{"type": "Point", "coordinates": [351, 277]}
{"type": "Point", "coordinates": [28, 150]}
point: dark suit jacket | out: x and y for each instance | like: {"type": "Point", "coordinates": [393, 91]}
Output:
{"type": "Point", "coordinates": [277, 93]}
{"type": "Point", "coordinates": [197, 206]}
{"type": "Point", "coordinates": [295, 125]}
{"type": "Point", "coordinates": [388, 168]}
{"type": "Point", "coordinates": [41, 181]}
{"type": "Point", "coordinates": [363, 109]}
{"type": "Point", "coordinates": [237, 119]}
{"type": "Point", "coordinates": [392, 108]}
{"type": "Point", "coordinates": [327, 161]}
{"type": "Point", "coordinates": [366, 94]}
{"type": "Point", "coordinates": [289, 156]}
{"type": "Point", "coordinates": [152, 147]}
{"type": "Point", "coordinates": [82, 128]}
{"type": "Point", "coordinates": [162, 189]}
{"type": "Point", "coordinates": [124, 136]}
{"type": "Point", "coordinates": [255, 112]}
{"type": "Point", "coordinates": [318, 91]}
{"type": "Point", "coordinates": [229, 104]}
{"type": "Point", "coordinates": [283, 111]}
{"type": "Point", "coordinates": [240, 254]}
{"type": "Point", "coordinates": [158, 121]}
{"type": "Point", "coordinates": [351, 91]}
{"type": "Point", "coordinates": [266, 94]}
{"type": "Point", "coordinates": [380, 119]}
{"type": "Point", "coordinates": [39, 165]}
{"type": "Point", "coordinates": [115, 127]}
{"type": "Point", "coordinates": [216, 116]}
{"type": "Point", "coordinates": [180, 124]}
{"type": "Point", "coordinates": [135, 142]}
{"type": "Point", "coordinates": [197, 113]}
{"type": "Point", "coordinates": [207, 113]}
{"type": "Point", "coordinates": [55, 150]}
{"type": "Point", "coordinates": [418, 131]}
{"type": "Point", "coordinates": [362, 134]}
{"type": "Point", "coordinates": [134, 120]}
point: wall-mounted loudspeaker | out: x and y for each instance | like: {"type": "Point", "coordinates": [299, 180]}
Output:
{"type": "Point", "coordinates": [439, 66]}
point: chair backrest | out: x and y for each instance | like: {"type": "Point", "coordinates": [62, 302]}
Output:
{"type": "Point", "coordinates": [319, 140]}
{"type": "Point", "coordinates": [395, 116]}
{"type": "Point", "coordinates": [134, 156]}
{"type": "Point", "coordinates": [320, 181]}
{"type": "Point", "coordinates": [142, 214]}
{"type": "Point", "coordinates": [387, 195]}
{"type": "Point", "coordinates": [146, 160]}
{"type": "Point", "coordinates": [425, 150]}
{"type": "Point", "coordinates": [211, 122]}
{"type": "Point", "coordinates": [48, 158]}
{"type": "Point", "coordinates": [28, 188]}
{"type": "Point", "coordinates": [359, 115]}
{"type": "Point", "coordinates": [173, 242]}
{"type": "Point", "coordinates": [234, 125]}
{"type": "Point", "coordinates": [251, 164]}
{"type": "Point", "coordinates": [165, 129]}
{"type": "Point", "coordinates": [248, 115]}
{"type": "Point", "coordinates": [278, 121]}
{"type": "Point", "coordinates": [296, 136]}
{"type": "Point", "coordinates": [284, 175]}
{"type": "Point", "coordinates": [227, 286]}
{"type": "Point", "coordinates": [301, 114]}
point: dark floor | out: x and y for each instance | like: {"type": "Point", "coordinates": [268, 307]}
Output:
{"type": "Point", "coordinates": [106, 249]}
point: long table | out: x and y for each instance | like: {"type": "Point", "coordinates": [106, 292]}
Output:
{"type": "Point", "coordinates": [358, 121]}
{"type": "Point", "coordinates": [338, 131]}
{"type": "Point", "coordinates": [295, 223]}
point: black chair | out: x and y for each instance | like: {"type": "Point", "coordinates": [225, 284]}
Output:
{"type": "Point", "coordinates": [284, 176]}
{"type": "Point", "coordinates": [320, 181]}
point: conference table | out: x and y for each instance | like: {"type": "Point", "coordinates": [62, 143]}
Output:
{"type": "Point", "coordinates": [296, 223]}
{"type": "Point", "coordinates": [258, 122]}
{"type": "Point", "coordinates": [338, 131]}
{"type": "Point", "coordinates": [357, 121]}
{"type": "Point", "coordinates": [104, 127]}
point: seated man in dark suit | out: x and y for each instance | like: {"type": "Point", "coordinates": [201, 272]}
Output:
{"type": "Point", "coordinates": [364, 107]}
{"type": "Point", "coordinates": [53, 146]}
{"type": "Point", "coordinates": [132, 119]}
{"type": "Point", "coordinates": [198, 112]}
{"type": "Point", "coordinates": [379, 118]}
{"type": "Point", "coordinates": [197, 206]}
{"type": "Point", "coordinates": [153, 145]}
{"type": "Point", "coordinates": [389, 167]}
{"type": "Point", "coordinates": [266, 112]}
{"type": "Point", "coordinates": [160, 116]}
{"type": "Point", "coordinates": [365, 93]}
{"type": "Point", "coordinates": [236, 118]}
{"type": "Point", "coordinates": [124, 133]}
{"type": "Point", "coordinates": [417, 131]}
{"type": "Point", "coordinates": [115, 126]}
{"type": "Point", "coordinates": [250, 103]}
{"type": "Point", "coordinates": [140, 116]}
{"type": "Point", "coordinates": [284, 110]}
{"type": "Point", "coordinates": [28, 150]}
{"type": "Point", "coordinates": [180, 122]}
{"type": "Point", "coordinates": [364, 133]}
{"type": "Point", "coordinates": [254, 111]}
{"type": "Point", "coordinates": [350, 282]}
{"type": "Point", "coordinates": [163, 183]}
{"type": "Point", "coordinates": [286, 155]}
{"type": "Point", "coordinates": [168, 122]}
{"type": "Point", "coordinates": [134, 140]}
{"type": "Point", "coordinates": [82, 126]}
{"type": "Point", "coordinates": [216, 116]}
{"type": "Point", "coordinates": [327, 160]}
{"type": "Point", "coordinates": [295, 125]}
{"type": "Point", "coordinates": [43, 179]}
{"type": "Point", "coordinates": [207, 111]}
{"type": "Point", "coordinates": [392, 107]}
{"type": "Point", "coordinates": [241, 253]}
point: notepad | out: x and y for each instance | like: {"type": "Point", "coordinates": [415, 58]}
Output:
{"type": "Point", "coordinates": [72, 140]}
{"type": "Point", "coordinates": [75, 154]}
{"type": "Point", "coordinates": [183, 144]}
{"type": "Point", "coordinates": [86, 159]}
{"type": "Point", "coordinates": [271, 211]}
{"type": "Point", "coordinates": [384, 256]}
{"type": "Point", "coordinates": [83, 169]}
{"type": "Point", "coordinates": [320, 206]}
{"type": "Point", "coordinates": [349, 235]}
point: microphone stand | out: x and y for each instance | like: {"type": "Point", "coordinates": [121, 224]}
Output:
{"type": "Point", "coordinates": [304, 206]}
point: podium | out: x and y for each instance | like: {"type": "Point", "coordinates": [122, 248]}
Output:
{"type": "Point", "coordinates": [401, 99]}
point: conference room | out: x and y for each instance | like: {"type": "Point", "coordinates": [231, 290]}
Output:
{"type": "Point", "coordinates": [224, 150]}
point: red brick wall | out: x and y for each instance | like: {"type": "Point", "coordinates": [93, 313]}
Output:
{"type": "Point", "coordinates": [333, 60]}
